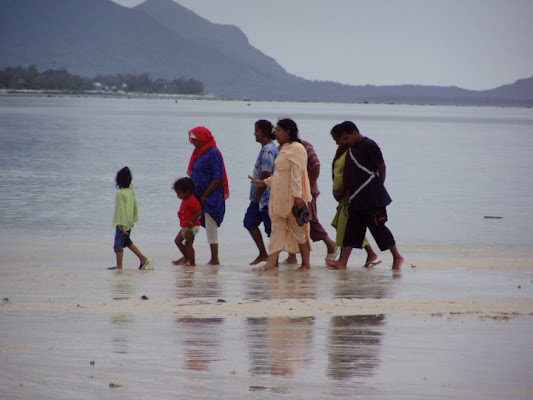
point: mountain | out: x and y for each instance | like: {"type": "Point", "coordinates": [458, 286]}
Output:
{"type": "Point", "coordinates": [166, 40]}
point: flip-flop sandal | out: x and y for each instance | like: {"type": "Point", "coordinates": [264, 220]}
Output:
{"type": "Point", "coordinates": [112, 268]}
{"type": "Point", "coordinates": [371, 264]}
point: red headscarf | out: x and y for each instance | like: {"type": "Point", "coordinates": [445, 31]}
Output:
{"type": "Point", "coordinates": [206, 138]}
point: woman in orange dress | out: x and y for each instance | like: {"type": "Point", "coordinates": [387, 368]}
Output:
{"type": "Point", "coordinates": [289, 186]}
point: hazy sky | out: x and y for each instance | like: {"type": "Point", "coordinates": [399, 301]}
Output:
{"type": "Point", "coordinates": [473, 44]}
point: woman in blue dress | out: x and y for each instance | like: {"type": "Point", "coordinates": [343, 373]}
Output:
{"type": "Point", "coordinates": [208, 172]}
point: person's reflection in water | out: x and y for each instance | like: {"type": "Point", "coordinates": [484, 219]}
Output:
{"type": "Point", "coordinates": [122, 323]}
{"type": "Point", "coordinates": [279, 346]}
{"type": "Point", "coordinates": [353, 345]}
{"type": "Point", "coordinates": [354, 340]}
{"type": "Point", "coordinates": [199, 337]}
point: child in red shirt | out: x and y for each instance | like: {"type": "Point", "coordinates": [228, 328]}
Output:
{"type": "Point", "coordinates": [188, 214]}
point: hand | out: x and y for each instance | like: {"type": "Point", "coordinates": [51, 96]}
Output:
{"type": "Point", "coordinates": [257, 182]}
{"type": "Point", "coordinates": [124, 230]}
{"type": "Point", "coordinates": [298, 202]}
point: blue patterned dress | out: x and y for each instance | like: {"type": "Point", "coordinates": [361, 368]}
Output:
{"type": "Point", "coordinates": [207, 168]}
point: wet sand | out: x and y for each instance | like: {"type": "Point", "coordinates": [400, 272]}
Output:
{"type": "Point", "coordinates": [454, 324]}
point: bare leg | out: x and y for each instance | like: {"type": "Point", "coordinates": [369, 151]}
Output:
{"type": "Point", "coordinates": [214, 254]}
{"type": "Point", "coordinates": [179, 242]}
{"type": "Point", "coordinates": [291, 259]}
{"type": "Point", "coordinates": [342, 262]}
{"type": "Point", "coordinates": [371, 257]}
{"type": "Point", "coordinates": [397, 259]}
{"type": "Point", "coordinates": [305, 251]}
{"type": "Point", "coordinates": [331, 245]}
{"type": "Point", "coordinates": [119, 256]}
{"type": "Point", "coordinates": [258, 239]}
{"type": "Point", "coordinates": [272, 262]}
{"type": "Point", "coordinates": [138, 253]}
{"type": "Point", "coordinates": [189, 241]}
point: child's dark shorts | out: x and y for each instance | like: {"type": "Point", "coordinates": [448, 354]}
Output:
{"type": "Point", "coordinates": [121, 240]}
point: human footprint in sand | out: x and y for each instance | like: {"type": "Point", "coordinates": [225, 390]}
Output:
{"type": "Point", "coordinates": [257, 211]}
{"type": "Point", "coordinates": [124, 217]}
{"type": "Point", "coordinates": [368, 197]}
{"type": "Point", "coordinates": [188, 214]}
{"type": "Point", "coordinates": [289, 187]}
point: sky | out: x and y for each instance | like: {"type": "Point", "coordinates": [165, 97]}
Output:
{"type": "Point", "coordinates": [472, 44]}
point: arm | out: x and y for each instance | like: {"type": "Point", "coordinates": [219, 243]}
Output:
{"type": "Point", "coordinates": [194, 218]}
{"type": "Point", "coordinates": [210, 189]}
{"type": "Point", "coordinates": [296, 185]}
{"type": "Point", "coordinates": [261, 189]}
{"type": "Point", "coordinates": [314, 173]}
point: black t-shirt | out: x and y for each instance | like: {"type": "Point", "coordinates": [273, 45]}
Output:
{"type": "Point", "coordinates": [365, 187]}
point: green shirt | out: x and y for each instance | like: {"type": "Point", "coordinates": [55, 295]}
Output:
{"type": "Point", "coordinates": [126, 211]}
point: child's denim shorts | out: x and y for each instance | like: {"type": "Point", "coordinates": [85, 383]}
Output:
{"type": "Point", "coordinates": [121, 240]}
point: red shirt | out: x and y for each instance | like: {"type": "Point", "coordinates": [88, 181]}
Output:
{"type": "Point", "coordinates": [188, 208]}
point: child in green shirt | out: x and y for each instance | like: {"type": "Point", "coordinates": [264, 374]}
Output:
{"type": "Point", "coordinates": [125, 215]}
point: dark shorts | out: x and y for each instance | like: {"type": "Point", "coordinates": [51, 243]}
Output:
{"type": "Point", "coordinates": [254, 216]}
{"type": "Point", "coordinates": [374, 220]}
{"type": "Point", "coordinates": [121, 240]}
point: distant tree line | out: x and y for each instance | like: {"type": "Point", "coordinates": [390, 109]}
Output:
{"type": "Point", "coordinates": [53, 79]}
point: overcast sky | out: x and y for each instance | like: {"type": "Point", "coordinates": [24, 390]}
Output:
{"type": "Point", "coordinates": [473, 44]}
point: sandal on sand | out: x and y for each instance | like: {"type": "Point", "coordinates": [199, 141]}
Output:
{"type": "Point", "coordinates": [332, 256]}
{"type": "Point", "coordinates": [146, 264]}
{"type": "Point", "coordinates": [112, 268]}
{"type": "Point", "coordinates": [371, 264]}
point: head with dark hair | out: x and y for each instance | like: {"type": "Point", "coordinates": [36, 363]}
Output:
{"type": "Point", "coordinates": [290, 127]}
{"type": "Point", "coordinates": [123, 178]}
{"type": "Point", "coordinates": [348, 127]}
{"type": "Point", "coordinates": [185, 186]}
{"type": "Point", "coordinates": [265, 127]}
{"type": "Point", "coordinates": [336, 132]}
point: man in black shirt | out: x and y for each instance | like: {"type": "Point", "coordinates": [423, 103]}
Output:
{"type": "Point", "coordinates": [364, 176]}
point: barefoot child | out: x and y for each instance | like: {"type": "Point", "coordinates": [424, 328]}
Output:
{"type": "Point", "coordinates": [189, 214]}
{"type": "Point", "coordinates": [124, 217]}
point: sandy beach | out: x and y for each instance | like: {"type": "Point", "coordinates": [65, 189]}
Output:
{"type": "Point", "coordinates": [72, 329]}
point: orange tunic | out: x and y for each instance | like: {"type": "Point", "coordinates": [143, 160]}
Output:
{"type": "Point", "coordinates": [290, 180]}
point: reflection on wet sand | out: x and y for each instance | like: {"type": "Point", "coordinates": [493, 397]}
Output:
{"type": "Point", "coordinates": [200, 337]}
{"type": "Point", "coordinates": [354, 341]}
{"type": "Point", "coordinates": [280, 346]}
{"type": "Point", "coordinates": [200, 340]}
{"type": "Point", "coordinates": [122, 323]}
{"type": "Point", "coordinates": [361, 284]}
{"type": "Point", "coordinates": [353, 345]}
{"type": "Point", "coordinates": [281, 285]}
{"type": "Point", "coordinates": [122, 288]}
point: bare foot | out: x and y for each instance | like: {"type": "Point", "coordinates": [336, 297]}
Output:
{"type": "Point", "coordinates": [291, 259]}
{"type": "Point", "coordinates": [335, 264]}
{"type": "Point", "coordinates": [397, 263]}
{"type": "Point", "coordinates": [259, 259]}
{"type": "Point", "coordinates": [265, 268]}
{"type": "Point", "coordinates": [372, 261]}
{"type": "Point", "coordinates": [213, 262]}
{"type": "Point", "coordinates": [179, 261]}
{"type": "Point", "coordinates": [304, 268]}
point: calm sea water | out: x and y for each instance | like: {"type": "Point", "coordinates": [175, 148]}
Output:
{"type": "Point", "coordinates": [447, 167]}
